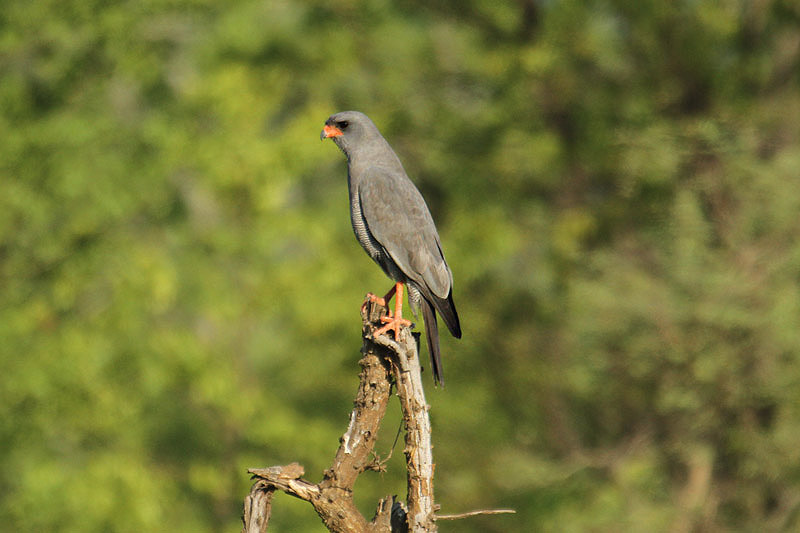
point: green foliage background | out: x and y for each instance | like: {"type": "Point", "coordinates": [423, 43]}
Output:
{"type": "Point", "coordinates": [617, 186]}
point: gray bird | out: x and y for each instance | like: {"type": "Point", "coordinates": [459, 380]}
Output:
{"type": "Point", "coordinates": [394, 226]}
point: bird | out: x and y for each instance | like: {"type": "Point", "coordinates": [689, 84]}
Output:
{"type": "Point", "coordinates": [393, 224]}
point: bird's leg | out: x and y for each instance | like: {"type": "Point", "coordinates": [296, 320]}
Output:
{"type": "Point", "coordinates": [397, 287]}
{"type": "Point", "coordinates": [397, 321]}
{"type": "Point", "coordinates": [373, 299]}
{"type": "Point", "coordinates": [383, 302]}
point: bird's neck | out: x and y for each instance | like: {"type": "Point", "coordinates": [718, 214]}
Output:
{"type": "Point", "coordinates": [375, 153]}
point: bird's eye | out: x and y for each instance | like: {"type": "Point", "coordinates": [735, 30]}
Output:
{"type": "Point", "coordinates": [343, 124]}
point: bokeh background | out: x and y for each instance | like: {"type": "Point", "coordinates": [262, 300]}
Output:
{"type": "Point", "coordinates": [616, 184]}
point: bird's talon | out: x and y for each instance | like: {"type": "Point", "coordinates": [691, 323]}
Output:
{"type": "Point", "coordinates": [402, 322]}
{"type": "Point", "coordinates": [391, 323]}
{"type": "Point", "coordinates": [376, 300]}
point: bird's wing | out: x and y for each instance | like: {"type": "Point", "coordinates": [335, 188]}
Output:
{"type": "Point", "coordinates": [398, 218]}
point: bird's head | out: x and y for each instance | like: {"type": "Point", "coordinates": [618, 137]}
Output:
{"type": "Point", "coordinates": [350, 130]}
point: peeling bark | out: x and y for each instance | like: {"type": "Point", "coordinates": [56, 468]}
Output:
{"type": "Point", "coordinates": [386, 362]}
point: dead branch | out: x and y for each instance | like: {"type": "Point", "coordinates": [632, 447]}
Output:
{"type": "Point", "coordinates": [257, 508]}
{"type": "Point", "coordinates": [459, 516]}
{"type": "Point", "coordinates": [386, 361]}
{"type": "Point", "coordinates": [332, 498]}
{"type": "Point", "coordinates": [418, 449]}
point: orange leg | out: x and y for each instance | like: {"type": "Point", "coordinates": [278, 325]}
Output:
{"type": "Point", "coordinates": [396, 288]}
{"type": "Point", "coordinates": [384, 302]}
{"type": "Point", "coordinates": [397, 321]}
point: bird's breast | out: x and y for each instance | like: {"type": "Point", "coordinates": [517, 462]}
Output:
{"type": "Point", "coordinates": [367, 241]}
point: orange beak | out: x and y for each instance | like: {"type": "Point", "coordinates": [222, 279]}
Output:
{"type": "Point", "coordinates": [330, 131]}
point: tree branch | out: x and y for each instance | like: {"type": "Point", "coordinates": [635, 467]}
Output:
{"type": "Point", "coordinates": [384, 358]}
{"type": "Point", "coordinates": [332, 498]}
{"type": "Point", "coordinates": [418, 449]}
{"type": "Point", "coordinates": [479, 512]}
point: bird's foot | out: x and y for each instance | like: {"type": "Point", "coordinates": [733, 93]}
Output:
{"type": "Point", "coordinates": [393, 323]}
{"type": "Point", "coordinates": [371, 298]}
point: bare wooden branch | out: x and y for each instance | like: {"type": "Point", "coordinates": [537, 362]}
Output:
{"type": "Point", "coordinates": [384, 357]}
{"type": "Point", "coordinates": [332, 498]}
{"type": "Point", "coordinates": [458, 516]}
{"type": "Point", "coordinates": [418, 448]}
{"type": "Point", "coordinates": [257, 508]}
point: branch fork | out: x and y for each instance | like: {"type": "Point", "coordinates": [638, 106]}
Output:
{"type": "Point", "coordinates": [387, 361]}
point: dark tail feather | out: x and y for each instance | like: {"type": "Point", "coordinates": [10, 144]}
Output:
{"type": "Point", "coordinates": [447, 309]}
{"type": "Point", "coordinates": [432, 335]}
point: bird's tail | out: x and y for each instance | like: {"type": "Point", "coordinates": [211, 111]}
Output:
{"type": "Point", "coordinates": [447, 308]}
{"type": "Point", "coordinates": [432, 335]}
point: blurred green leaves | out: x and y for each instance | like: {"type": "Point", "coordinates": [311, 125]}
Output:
{"type": "Point", "coordinates": [616, 189]}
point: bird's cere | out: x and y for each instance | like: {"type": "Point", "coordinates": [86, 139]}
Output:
{"type": "Point", "coordinates": [330, 131]}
